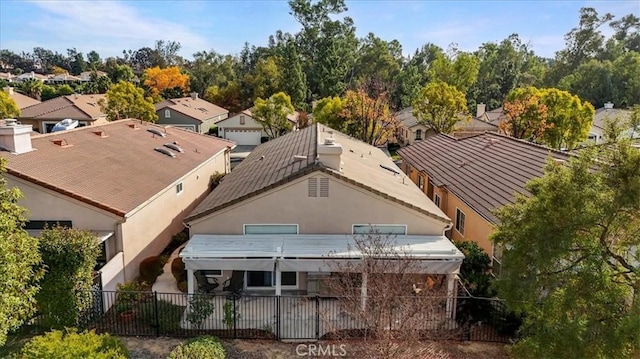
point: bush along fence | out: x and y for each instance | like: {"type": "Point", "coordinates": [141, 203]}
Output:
{"type": "Point", "coordinates": [292, 317]}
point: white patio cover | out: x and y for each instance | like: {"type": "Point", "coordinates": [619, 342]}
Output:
{"type": "Point", "coordinates": [308, 253]}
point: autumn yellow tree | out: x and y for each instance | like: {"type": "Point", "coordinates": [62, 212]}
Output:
{"type": "Point", "coordinates": [526, 114]}
{"type": "Point", "coordinates": [166, 81]}
{"type": "Point", "coordinates": [368, 119]}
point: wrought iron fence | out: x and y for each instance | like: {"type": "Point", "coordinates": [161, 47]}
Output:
{"type": "Point", "coordinates": [293, 317]}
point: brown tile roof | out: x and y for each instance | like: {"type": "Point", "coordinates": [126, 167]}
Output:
{"type": "Point", "coordinates": [115, 173]}
{"type": "Point", "coordinates": [603, 115]}
{"type": "Point", "coordinates": [22, 100]}
{"type": "Point", "coordinates": [271, 165]}
{"type": "Point", "coordinates": [484, 171]}
{"type": "Point", "coordinates": [197, 109]}
{"type": "Point", "coordinates": [406, 117]}
{"type": "Point", "coordinates": [77, 107]}
{"type": "Point", "coordinates": [292, 117]}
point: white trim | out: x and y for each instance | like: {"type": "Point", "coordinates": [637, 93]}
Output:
{"type": "Point", "coordinates": [455, 221]}
{"type": "Point", "coordinates": [44, 125]}
{"type": "Point", "coordinates": [244, 227]}
{"type": "Point", "coordinates": [435, 195]}
{"type": "Point", "coordinates": [184, 127]}
{"type": "Point", "coordinates": [353, 226]}
{"type": "Point", "coordinates": [167, 113]}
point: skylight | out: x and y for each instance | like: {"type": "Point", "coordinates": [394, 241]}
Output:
{"type": "Point", "coordinates": [157, 132]}
{"type": "Point", "coordinates": [389, 169]}
{"type": "Point", "coordinates": [165, 152]}
{"type": "Point", "coordinates": [173, 146]}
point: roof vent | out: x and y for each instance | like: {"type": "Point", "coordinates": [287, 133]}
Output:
{"type": "Point", "coordinates": [174, 146]}
{"type": "Point", "coordinates": [389, 169]}
{"type": "Point", "coordinates": [157, 132]}
{"type": "Point", "coordinates": [62, 143]}
{"type": "Point", "coordinates": [101, 133]}
{"type": "Point", "coordinates": [134, 126]}
{"type": "Point", "coordinates": [165, 152]}
{"type": "Point", "coordinates": [329, 141]}
{"type": "Point", "coordinates": [298, 158]}
{"type": "Point", "coordinates": [10, 122]}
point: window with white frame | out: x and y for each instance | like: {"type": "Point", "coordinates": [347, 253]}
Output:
{"type": "Point", "coordinates": [179, 188]}
{"type": "Point", "coordinates": [460, 218]}
{"type": "Point", "coordinates": [421, 182]}
{"type": "Point", "coordinates": [418, 135]}
{"type": "Point", "coordinates": [270, 229]}
{"type": "Point", "coordinates": [167, 114]}
{"type": "Point", "coordinates": [496, 260]}
{"type": "Point", "coordinates": [397, 229]}
{"type": "Point", "coordinates": [436, 200]}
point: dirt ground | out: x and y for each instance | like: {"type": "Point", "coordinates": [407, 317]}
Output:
{"type": "Point", "coordinates": [152, 348]}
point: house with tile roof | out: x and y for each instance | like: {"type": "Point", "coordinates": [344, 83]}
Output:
{"type": "Point", "coordinates": [130, 182]}
{"type": "Point", "coordinates": [604, 115]}
{"type": "Point", "coordinates": [21, 100]}
{"type": "Point", "coordinates": [469, 178]}
{"type": "Point", "coordinates": [83, 108]}
{"type": "Point", "coordinates": [411, 130]}
{"type": "Point", "coordinates": [191, 113]}
{"type": "Point", "coordinates": [277, 218]}
{"type": "Point", "coordinates": [244, 130]}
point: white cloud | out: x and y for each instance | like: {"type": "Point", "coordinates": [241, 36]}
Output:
{"type": "Point", "coordinates": [110, 27]}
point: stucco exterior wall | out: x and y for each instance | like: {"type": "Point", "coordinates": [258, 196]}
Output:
{"type": "Point", "coordinates": [234, 122]}
{"type": "Point", "coordinates": [177, 118]}
{"type": "Point", "coordinates": [148, 230]}
{"type": "Point", "coordinates": [289, 204]}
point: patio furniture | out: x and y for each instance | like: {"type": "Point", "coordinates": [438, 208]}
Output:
{"type": "Point", "coordinates": [203, 282]}
{"type": "Point", "coordinates": [234, 285]}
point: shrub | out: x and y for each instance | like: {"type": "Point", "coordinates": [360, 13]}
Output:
{"type": "Point", "coordinates": [179, 238]}
{"type": "Point", "coordinates": [200, 308]}
{"type": "Point", "coordinates": [71, 344]}
{"type": "Point", "coordinates": [169, 315]}
{"type": "Point", "coordinates": [130, 292]}
{"type": "Point", "coordinates": [150, 269]}
{"type": "Point", "coordinates": [183, 286]}
{"type": "Point", "coordinates": [205, 347]}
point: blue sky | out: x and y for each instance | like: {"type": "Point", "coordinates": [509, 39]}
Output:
{"type": "Point", "coordinates": [111, 26]}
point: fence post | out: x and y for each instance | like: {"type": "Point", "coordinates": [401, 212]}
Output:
{"type": "Point", "coordinates": [155, 309]}
{"type": "Point", "coordinates": [235, 318]}
{"type": "Point", "coordinates": [317, 317]}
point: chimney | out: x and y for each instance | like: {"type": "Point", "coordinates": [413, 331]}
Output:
{"type": "Point", "coordinates": [15, 137]}
{"type": "Point", "coordinates": [608, 105]}
{"type": "Point", "coordinates": [8, 90]}
{"type": "Point", "coordinates": [481, 109]}
{"type": "Point", "coordinates": [330, 154]}
{"type": "Point", "coordinates": [194, 95]}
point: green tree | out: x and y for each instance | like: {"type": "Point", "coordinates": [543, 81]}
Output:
{"type": "Point", "coordinates": [264, 80]}
{"type": "Point", "coordinates": [229, 97]}
{"type": "Point", "coordinates": [569, 119]}
{"type": "Point", "coordinates": [31, 88]}
{"type": "Point", "coordinates": [8, 107]}
{"type": "Point", "coordinates": [592, 81]}
{"type": "Point", "coordinates": [378, 61]}
{"type": "Point", "coordinates": [64, 90]}
{"type": "Point", "coordinates": [19, 262]}
{"type": "Point", "coordinates": [626, 79]}
{"type": "Point", "coordinates": [439, 106]}
{"type": "Point", "coordinates": [570, 259]}
{"type": "Point", "coordinates": [526, 115]}
{"type": "Point", "coordinates": [69, 256]}
{"type": "Point", "coordinates": [327, 111]}
{"type": "Point", "coordinates": [293, 80]}
{"type": "Point", "coordinates": [457, 68]}
{"type": "Point", "coordinates": [272, 114]}
{"type": "Point", "coordinates": [125, 100]}
{"type": "Point", "coordinates": [48, 92]}
{"type": "Point", "coordinates": [414, 75]}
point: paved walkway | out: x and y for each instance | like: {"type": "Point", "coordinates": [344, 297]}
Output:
{"type": "Point", "coordinates": [166, 283]}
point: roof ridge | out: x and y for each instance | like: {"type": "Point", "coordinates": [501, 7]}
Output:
{"type": "Point", "coordinates": [78, 107]}
{"type": "Point", "coordinates": [69, 103]}
{"type": "Point", "coordinates": [532, 144]}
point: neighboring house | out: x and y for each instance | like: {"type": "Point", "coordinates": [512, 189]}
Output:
{"type": "Point", "coordinates": [243, 129]}
{"type": "Point", "coordinates": [191, 113]}
{"type": "Point", "coordinates": [83, 108]}
{"type": "Point", "coordinates": [30, 75]}
{"type": "Point", "coordinates": [86, 75]}
{"type": "Point", "coordinates": [471, 177]}
{"type": "Point", "coordinates": [62, 79]}
{"type": "Point", "coordinates": [494, 116]}
{"type": "Point", "coordinates": [410, 130]}
{"type": "Point", "coordinates": [116, 180]}
{"type": "Point", "coordinates": [605, 114]}
{"type": "Point", "coordinates": [7, 76]}
{"type": "Point", "coordinates": [278, 217]}
{"type": "Point", "coordinates": [21, 100]}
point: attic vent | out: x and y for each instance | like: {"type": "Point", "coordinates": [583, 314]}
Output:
{"type": "Point", "coordinates": [390, 169]}
{"type": "Point", "coordinates": [101, 133]}
{"type": "Point", "coordinates": [313, 187]}
{"type": "Point", "coordinates": [157, 132]}
{"type": "Point", "coordinates": [324, 187]}
{"type": "Point", "coordinates": [165, 151]}
{"type": "Point", "coordinates": [62, 143]}
{"type": "Point", "coordinates": [174, 146]}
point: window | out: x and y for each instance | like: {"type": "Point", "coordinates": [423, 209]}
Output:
{"type": "Point", "coordinates": [213, 272]}
{"type": "Point", "coordinates": [264, 279]}
{"type": "Point", "coordinates": [270, 229]}
{"type": "Point", "coordinates": [167, 114]}
{"type": "Point", "coordinates": [179, 188]}
{"type": "Point", "coordinates": [460, 217]}
{"type": "Point", "coordinates": [418, 135]}
{"type": "Point", "coordinates": [241, 120]}
{"type": "Point", "coordinates": [421, 182]}
{"type": "Point", "coordinates": [436, 200]}
{"type": "Point", "coordinates": [496, 261]}
{"type": "Point", "coordinates": [399, 229]}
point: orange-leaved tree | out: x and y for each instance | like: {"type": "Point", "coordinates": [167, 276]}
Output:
{"type": "Point", "coordinates": [161, 80]}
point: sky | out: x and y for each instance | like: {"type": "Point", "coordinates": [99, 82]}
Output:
{"type": "Point", "coordinates": [109, 27]}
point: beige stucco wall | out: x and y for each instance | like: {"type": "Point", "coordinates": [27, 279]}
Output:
{"type": "Point", "coordinates": [148, 230]}
{"type": "Point", "coordinates": [234, 123]}
{"type": "Point", "coordinates": [289, 204]}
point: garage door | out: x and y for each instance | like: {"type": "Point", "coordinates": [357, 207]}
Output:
{"type": "Point", "coordinates": [244, 137]}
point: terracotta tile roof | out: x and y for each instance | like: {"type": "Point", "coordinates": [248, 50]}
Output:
{"type": "Point", "coordinates": [484, 171]}
{"type": "Point", "coordinates": [22, 100]}
{"type": "Point", "coordinates": [271, 165]}
{"type": "Point", "coordinates": [406, 117]}
{"type": "Point", "coordinates": [77, 107]}
{"type": "Point", "coordinates": [197, 109]}
{"type": "Point", "coordinates": [116, 173]}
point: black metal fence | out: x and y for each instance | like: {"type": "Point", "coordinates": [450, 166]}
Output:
{"type": "Point", "coordinates": [293, 317]}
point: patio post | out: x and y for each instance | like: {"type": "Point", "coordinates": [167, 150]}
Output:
{"type": "Point", "coordinates": [451, 286]}
{"type": "Point", "coordinates": [363, 291]}
{"type": "Point", "coordinates": [190, 281]}
{"type": "Point", "coordinates": [278, 278]}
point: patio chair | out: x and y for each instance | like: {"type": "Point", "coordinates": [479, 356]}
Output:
{"type": "Point", "coordinates": [203, 282]}
{"type": "Point", "coordinates": [234, 285]}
